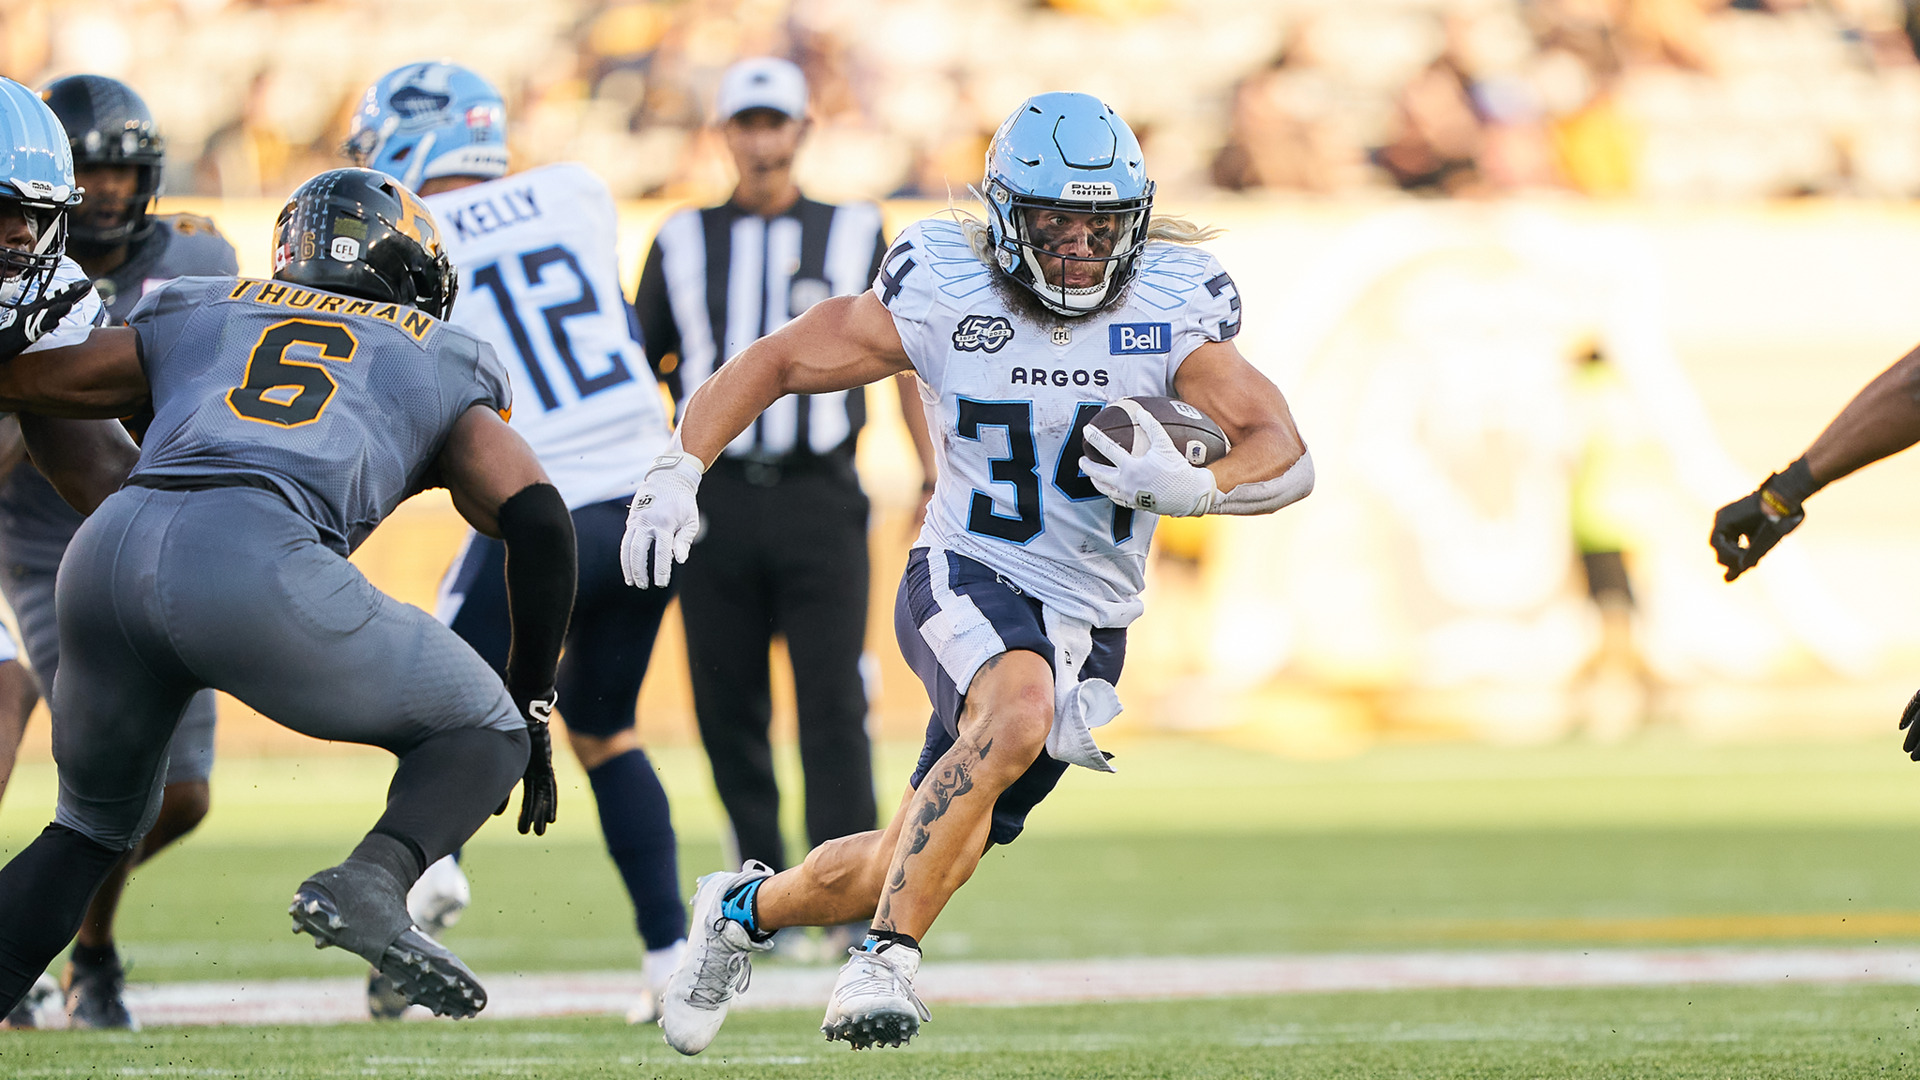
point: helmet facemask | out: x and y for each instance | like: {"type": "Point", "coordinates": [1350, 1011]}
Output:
{"type": "Point", "coordinates": [139, 147]}
{"type": "Point", "coordinates": [1031, 231]}
{"type": "Point", "coordinates": [25, 276]}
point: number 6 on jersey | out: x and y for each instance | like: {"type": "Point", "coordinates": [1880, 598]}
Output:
{"type": "Point", "coordinates": [287, 392]}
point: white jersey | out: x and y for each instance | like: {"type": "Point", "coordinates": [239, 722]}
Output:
{"type": "Point", "coordinates": [540, 282]}
{"type": "Point", "coordinates": [1007, 399]}
{"type": "Point", "coordinates": [79, 321]}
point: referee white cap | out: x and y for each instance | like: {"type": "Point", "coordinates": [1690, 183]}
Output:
{"type": "Point", "coordinates": [763, 82]}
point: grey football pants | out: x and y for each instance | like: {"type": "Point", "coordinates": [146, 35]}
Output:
{"type": "Point", "coordinates": [165, 593]}
{"type": "Point", "coordinates": [30, 593]}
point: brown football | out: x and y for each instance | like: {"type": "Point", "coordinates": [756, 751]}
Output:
{"type": "Point", "coordinates": [1200, 439]}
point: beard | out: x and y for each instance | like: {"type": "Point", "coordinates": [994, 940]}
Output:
{"type": "Point", "coordinates": [1022, 303]}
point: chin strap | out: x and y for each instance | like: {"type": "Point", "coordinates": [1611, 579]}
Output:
{"type": "Point", "coordinates": [1266, 496]}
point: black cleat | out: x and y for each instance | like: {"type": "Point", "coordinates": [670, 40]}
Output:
{"type": "Point", "coordinates": [96, 996]}
{"type": "Point", "coordinates": [359, 907]}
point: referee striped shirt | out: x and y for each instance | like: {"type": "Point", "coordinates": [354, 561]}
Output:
{"type": "Point", "coordinates": [719, 279]}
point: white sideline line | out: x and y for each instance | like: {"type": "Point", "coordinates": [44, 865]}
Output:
{"type": "Point", "coordinates": [329, 1001]}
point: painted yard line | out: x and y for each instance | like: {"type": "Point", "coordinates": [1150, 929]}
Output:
{"type": "Point", "coordinates": [1859, 925]}
{"type": "Point", "coordinates": [326, 1001]}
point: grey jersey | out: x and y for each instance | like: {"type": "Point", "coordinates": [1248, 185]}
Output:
{"type": "Point", "coordinates": [339, 405]}
{"type": "Point", "coordinates": [35, 522]}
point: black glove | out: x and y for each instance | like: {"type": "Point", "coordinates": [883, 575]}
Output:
{"type": "Point", "coordinates": [20, 327]}
{"type": "Point", "coordinates": [1743, 531]}
{"type": "Point", "coordinates": [539, 791]}
{"type": "Point", "coordinates": [1907, 717]}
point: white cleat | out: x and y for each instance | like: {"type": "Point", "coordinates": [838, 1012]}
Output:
{"type": "Point", "coordinates": [437, 900]}
{"type": "Point", "coordinates": [717, 965]}
{"type": "Point", "coordinates": [873, 1000]}
{"type": "Point", "coordinates": [657, 967]}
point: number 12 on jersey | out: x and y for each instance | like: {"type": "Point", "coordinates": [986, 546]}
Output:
{"type": "Point", "coordinates": [1021, 470]}
{"type": "Point", "coordinates": [534, 265]}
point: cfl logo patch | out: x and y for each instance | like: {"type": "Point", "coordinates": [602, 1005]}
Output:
{"type": "Point", "coordinates": [1131, 339]}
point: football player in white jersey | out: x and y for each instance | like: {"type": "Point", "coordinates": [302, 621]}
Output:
{"type": "Point", "coordinates": [539, 280]}
{"type": "Point", "coordinates": [1015, 603]}
{"type": "Point", "coordinates": [46, 302]}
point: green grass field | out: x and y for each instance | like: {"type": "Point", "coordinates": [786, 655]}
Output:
{"type": "Point", "coordinates": [1194, 848]}
{"type": "Point", "coordinates": [1719, 1033]}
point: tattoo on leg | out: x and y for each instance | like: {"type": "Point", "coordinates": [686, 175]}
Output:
{"type": "Point", "coordinates": [954, 779]}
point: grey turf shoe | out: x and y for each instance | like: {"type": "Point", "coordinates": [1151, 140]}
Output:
{"type": "Point", "coordinates": [96, 996]}
{"type": "Point", "coordinates": [873, 1000]}
{"type": "Point", "coordinates": [361, 908]}
{"type": "Point", "coordinates": [718, 964]}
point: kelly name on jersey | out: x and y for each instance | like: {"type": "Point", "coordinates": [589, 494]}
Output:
{"type": "Point", "coordinates": [1008, 398]}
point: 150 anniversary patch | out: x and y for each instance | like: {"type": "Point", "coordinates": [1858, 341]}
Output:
{"type": "Point", "coordinates": [982, 333]}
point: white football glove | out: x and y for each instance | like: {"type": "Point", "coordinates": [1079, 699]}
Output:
{"type": "Point", "coordinates": [1155, 477]}
{"type": "Point", "coordinates": [661, 521]}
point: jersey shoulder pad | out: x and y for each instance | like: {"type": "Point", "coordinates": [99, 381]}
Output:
{"type": "Point", "coordinates": [196, 248]}
{"type": "Point", "coordinates": [929, 266]}
{"type": "Point", "coordinates": [1188, 282]}
{"type": "Point", "coordinates": [181, 292]}
{"type": "Point", "coordinates": [570, 174]}
{"type": "Point", "coordinates": [187, 224]}
{"type": "Point", "coordinates": [470, 360]}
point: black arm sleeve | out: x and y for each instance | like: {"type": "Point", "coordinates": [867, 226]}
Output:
{"type": "Point", "coordinates": [541, 567]}
{"type": "Point", "coordinates": [659, 334]}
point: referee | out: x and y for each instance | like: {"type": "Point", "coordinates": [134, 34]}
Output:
{"type": "Point", "coordinates": [784, 548]}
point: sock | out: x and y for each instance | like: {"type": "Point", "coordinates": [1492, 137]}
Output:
{"type": "Point", "coordinates": [660, 963]}
{"type": "Point", "coordinates": [887, 939]}
{"type": "Point", "coordinates": [738, 905]}
{"type": "Point", "coordinates": [638, 826]}
{"type": "Point", "coordinates": [397, 855]}
{"type": "Point", "coordinates": [90, 956]}
{"type": "Point", "coordinates": [446, 788]}
{"type": "Point", "coordinates": [44, 894]}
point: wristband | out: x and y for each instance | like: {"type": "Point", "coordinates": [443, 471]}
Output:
{"type": "Point", "coordinates": [1785, 491]}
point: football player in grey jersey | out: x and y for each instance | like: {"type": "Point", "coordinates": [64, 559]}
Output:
{"type": "Point", "coordinates": [118, 155]}
{"type": "Point", "coordinates": [290, 417]}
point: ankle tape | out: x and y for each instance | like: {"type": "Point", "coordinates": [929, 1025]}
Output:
{"type": "Point", "coordinates": [881, 939]}
{"type": "Point", "coordinates": [739, 905]}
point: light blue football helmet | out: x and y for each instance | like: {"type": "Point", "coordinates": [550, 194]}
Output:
{"type": "Point", "coordinates": [36, 176]}
{"type": "Point", "coordinates": [1067, 152]}
{"type": "Point", "coordinates": [432, 119]}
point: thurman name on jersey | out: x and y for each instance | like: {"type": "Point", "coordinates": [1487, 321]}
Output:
{"type": "Point", "coordinates": [1007, 398]}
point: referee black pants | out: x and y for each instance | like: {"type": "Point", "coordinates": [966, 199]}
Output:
{"type": "Point", "coordinates": [786, 558]}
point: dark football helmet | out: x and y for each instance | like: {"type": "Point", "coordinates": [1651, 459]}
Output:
{"type": "Point", "coordinates": [362, 233]}
{"type": "Point", "coordinates": [108, 124]}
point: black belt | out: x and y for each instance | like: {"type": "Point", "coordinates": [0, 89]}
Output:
{"type": "Point", "coordinates": [768, 473]}
{"type": "Point", "coordinates": [204, 483]}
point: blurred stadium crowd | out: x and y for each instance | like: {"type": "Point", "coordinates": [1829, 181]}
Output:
{"type": "Point", "coordinates": [1684, 99]}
